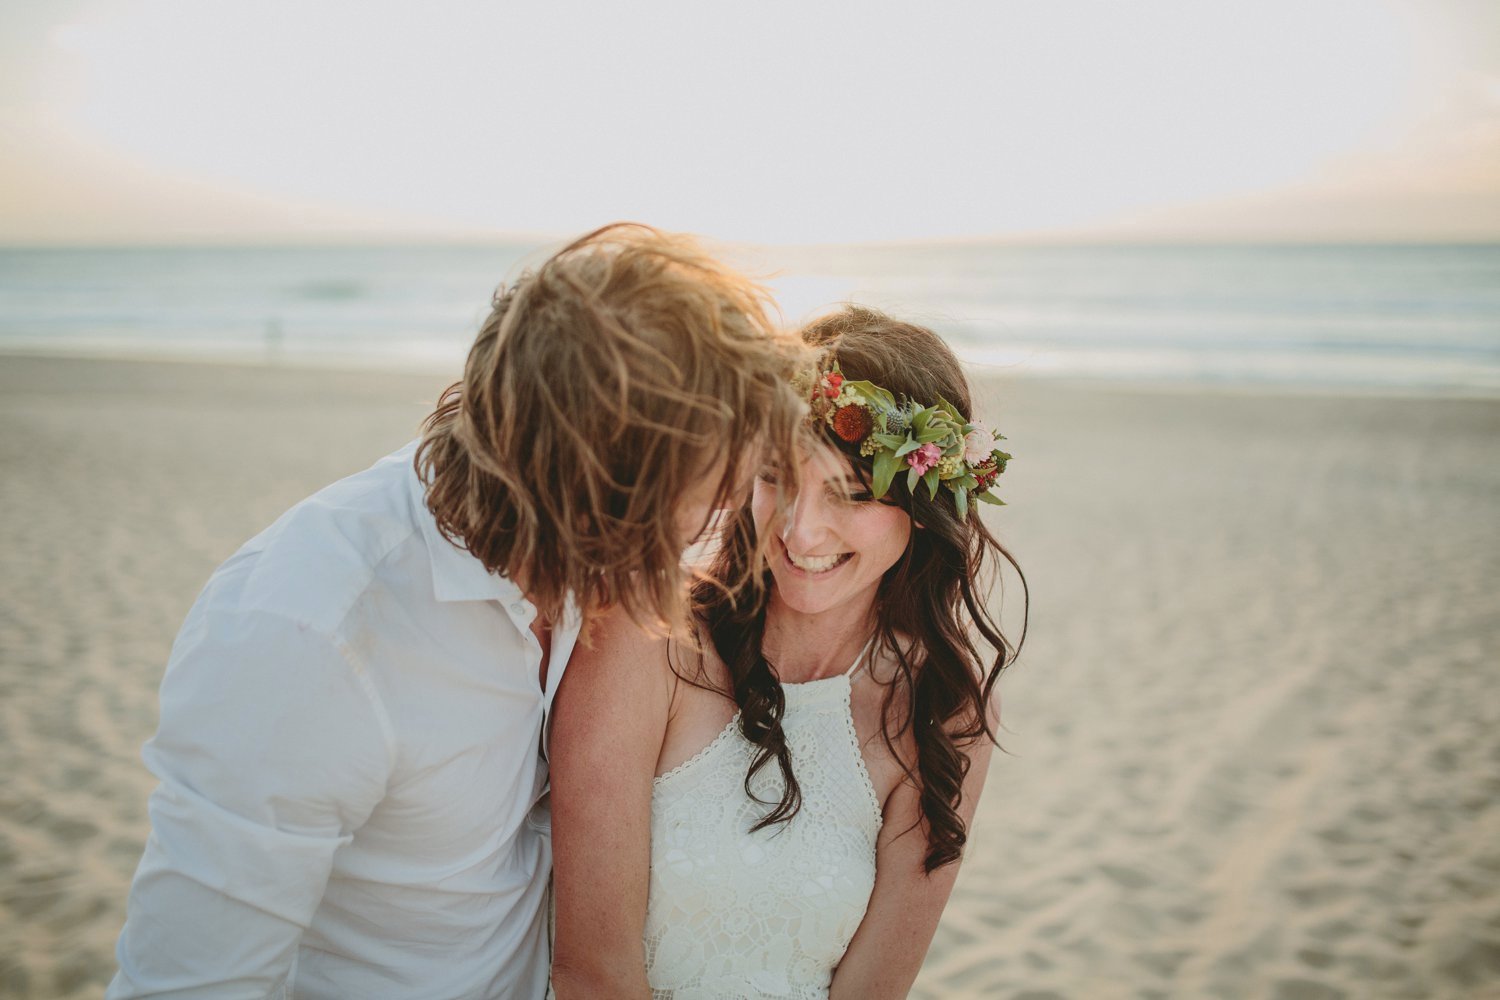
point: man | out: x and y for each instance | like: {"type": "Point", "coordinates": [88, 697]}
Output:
{"type": "Point", "coordinates": [353, 720]}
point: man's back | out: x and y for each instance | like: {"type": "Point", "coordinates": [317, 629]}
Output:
{"type": "Point", "coordinates": [350, 767]}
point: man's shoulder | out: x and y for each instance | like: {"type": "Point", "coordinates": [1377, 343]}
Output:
{"type": "Point", "coordinates": [325, 553]}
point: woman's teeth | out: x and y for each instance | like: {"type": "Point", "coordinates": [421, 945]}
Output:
{"type": "Point", "coordinates": [816, 564]}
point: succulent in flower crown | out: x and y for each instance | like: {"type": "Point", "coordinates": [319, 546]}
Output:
{"type": "Point", "coordinates": [934, 444]}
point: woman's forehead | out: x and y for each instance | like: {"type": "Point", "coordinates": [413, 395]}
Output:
{"type": "Point", "coordinates": [825, 463]}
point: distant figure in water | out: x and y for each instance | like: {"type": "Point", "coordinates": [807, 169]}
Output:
{"type": "Point", "coordinates": [274, 338]}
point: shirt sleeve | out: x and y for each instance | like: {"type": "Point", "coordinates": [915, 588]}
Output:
{"type": "Point", "coordinates": [272, 750]}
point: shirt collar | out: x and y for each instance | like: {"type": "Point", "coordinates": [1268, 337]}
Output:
{"type": "Point", "coordinates": [457, 575]}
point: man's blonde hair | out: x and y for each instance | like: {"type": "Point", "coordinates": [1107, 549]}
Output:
{"type": "Point", "coordinates": [604, 385]}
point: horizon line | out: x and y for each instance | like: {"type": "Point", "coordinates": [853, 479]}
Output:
{"type": "Point", "coordinates": [333, 241]}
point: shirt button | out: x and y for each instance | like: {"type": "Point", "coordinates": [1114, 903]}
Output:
{"type": "Point", "coordinates": [518, 608]}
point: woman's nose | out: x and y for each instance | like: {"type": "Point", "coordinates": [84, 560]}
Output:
{"type": "Point", "coordinates": [804, 524]}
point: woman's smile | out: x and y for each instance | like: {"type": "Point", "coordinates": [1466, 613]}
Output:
{"type": "Point", "coordinates": [815, 565]}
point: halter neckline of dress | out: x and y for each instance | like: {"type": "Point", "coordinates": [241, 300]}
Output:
{"type": "Point", "coordinates": [848, 675]}
{"type": "Point", "coordinates": [795, 692]}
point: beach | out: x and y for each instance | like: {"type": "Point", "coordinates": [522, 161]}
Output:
{"type": "Point", "coordinates": [1252, 741]}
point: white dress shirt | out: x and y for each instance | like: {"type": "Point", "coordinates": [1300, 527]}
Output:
{"type": "Point", "coordinates": [352, 769]}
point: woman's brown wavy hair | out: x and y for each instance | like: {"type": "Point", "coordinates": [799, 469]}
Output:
{"type": "Point", "coordinates": [931, 606]}
{"type": "Point", "coordinates": [604, 385]}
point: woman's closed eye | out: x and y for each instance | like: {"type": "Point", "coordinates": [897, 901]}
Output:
{"type": "Point", "coordinates": [851, 496]}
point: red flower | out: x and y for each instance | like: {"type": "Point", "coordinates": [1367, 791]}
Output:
{"type": "Point", "coordinates": [832, 383]}
{"type": "Point", "coordinates": [852, 423]}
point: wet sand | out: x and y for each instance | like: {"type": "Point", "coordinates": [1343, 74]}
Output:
{"type": "Point", "coordinates": [1254, 736]}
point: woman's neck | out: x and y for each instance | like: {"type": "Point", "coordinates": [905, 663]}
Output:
{"type": "Point", "coordinates": [809, 647]}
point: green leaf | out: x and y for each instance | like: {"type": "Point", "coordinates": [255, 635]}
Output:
{"type": "Point", "coordinates": [961, 501]}
{"type": "Point", "coordinates": [872, 391]}
{"type": "Point", "coordinates": [950, 409]}
{"type": "Point", "coordinates": [891, 441]}
{"type": "Point", "coordinates": [911, 481]}
{"type": "Point", "coordinates": [886, 465]}
{"type": "Point", "coordinates": [932, 434]}
{"type": "Point", "coordinates": [930, 480]}
{"type": "Point", "coordinates": [989, 497]}
{"type": "Point", "coordinates": [911, 445]}
{"type": "Point", "coordinates": [968, 482]}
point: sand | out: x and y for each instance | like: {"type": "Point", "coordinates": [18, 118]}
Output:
{"type": "Point", "coordinates": [1254, 736]}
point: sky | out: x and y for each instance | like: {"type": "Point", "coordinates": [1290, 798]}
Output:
{"type": "Point", "coordinates": [155, 121]}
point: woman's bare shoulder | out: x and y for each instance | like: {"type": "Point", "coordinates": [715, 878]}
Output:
{"type": "Point", "coordinates": [612, 643]}
{"type": "Point", "coordinates": [699, 674]}
{"type": "Point", "coordinates": [894, 684]}
{"type": "Point", "coordinates": [615, 626]}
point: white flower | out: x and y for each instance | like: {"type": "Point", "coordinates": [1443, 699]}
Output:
{"type": "Point", "coordinates": [978, 444]}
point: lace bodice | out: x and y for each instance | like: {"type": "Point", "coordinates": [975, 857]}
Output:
{"type": "Point", "coordinates": [734, 914]}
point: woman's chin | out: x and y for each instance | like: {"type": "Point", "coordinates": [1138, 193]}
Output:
{"type": "Point", "coordinates": [808, 596]}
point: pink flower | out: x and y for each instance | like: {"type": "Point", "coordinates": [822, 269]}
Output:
{"type": "Point", "coordinates": [978, 444]}
{"type": "Point", "coordinates": [924, 458]}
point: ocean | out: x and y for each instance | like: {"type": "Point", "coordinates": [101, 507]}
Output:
{"type": "Point", "coordinates": [1410, 318]}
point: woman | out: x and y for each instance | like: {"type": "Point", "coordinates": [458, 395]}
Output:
{"type": "Point", "coordinates": [776, 806]}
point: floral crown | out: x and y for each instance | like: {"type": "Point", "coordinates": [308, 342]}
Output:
{"type": "Point", "coordinates": [935, 445]}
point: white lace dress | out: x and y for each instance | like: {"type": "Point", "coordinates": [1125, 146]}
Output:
{"type": "Point", "coordinates": [734, 914]}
